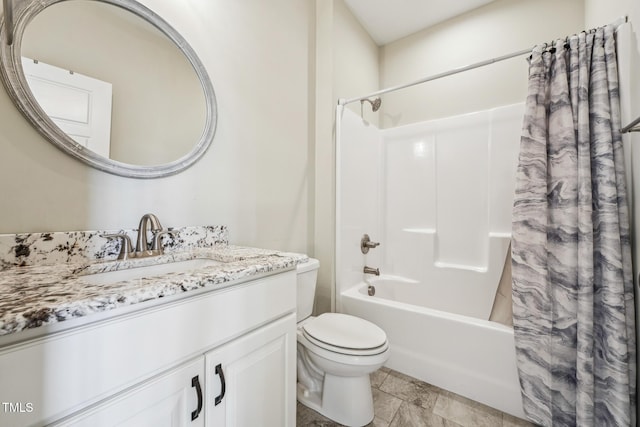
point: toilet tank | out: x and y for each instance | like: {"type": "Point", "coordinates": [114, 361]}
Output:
{"type": "Point", "coordinates": [307, 275]}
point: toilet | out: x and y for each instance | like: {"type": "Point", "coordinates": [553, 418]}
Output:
{"type": "Point", "coordinates": [336, 353]}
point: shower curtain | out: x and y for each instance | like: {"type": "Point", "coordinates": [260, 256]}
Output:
{"type": "Point", "coordinates": [573, 303]}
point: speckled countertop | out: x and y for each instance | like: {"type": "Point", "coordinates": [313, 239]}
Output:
{"type": "Point", "coordinates": [43, 294]}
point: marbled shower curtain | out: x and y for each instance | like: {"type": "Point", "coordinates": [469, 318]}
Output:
{"type": "Point", "coordinates": [573, 303]}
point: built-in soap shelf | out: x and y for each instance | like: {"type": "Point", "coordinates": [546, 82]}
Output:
{"type": "Point", "coordinates": [496, 243]}
{"type": "Point", "coordinates": [420, 230]}
{"type": "Point", "coordinates": [477, 269]}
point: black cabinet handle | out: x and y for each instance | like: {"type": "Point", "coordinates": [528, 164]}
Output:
{"type": "Point", "coordinates": [195, 382]}
{"type": "Point", "coordinates": [222, 384]}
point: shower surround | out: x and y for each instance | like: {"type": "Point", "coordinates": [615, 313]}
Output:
{"type": "Point", "coordinates": [438, 196]}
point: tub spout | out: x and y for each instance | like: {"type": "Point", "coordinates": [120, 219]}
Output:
{"type": "Point", "coordinates": [370, 270]}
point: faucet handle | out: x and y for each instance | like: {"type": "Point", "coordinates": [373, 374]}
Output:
{"type": "Point", "coordinates": [366, 244]}
{"type": "Point", "coordinates": [155, 245]}
{"type": "Point", "coordinates": [126, 249]}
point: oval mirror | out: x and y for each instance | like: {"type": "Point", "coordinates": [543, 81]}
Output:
{"type": "Point", "coordinates": [110, 83]}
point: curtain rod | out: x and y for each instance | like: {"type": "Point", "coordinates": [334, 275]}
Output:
{"type": "Point", "coordinates": [343, 102]}
{"type": "Point", "coordinates": [437, 76]}
{"type": "Point", "coordinates": [631, 127]}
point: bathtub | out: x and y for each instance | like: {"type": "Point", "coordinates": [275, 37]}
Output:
{"type": "Point", "coordinates": [471, 357]}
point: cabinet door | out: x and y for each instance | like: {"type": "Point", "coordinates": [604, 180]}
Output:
{"type": "Point", "coordinates": [251, 380]}
{"type": "Point", "coordinates": [174, 399]}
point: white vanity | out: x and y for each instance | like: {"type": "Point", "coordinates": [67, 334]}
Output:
{"type": "Point", "coordinates": [214, 346]}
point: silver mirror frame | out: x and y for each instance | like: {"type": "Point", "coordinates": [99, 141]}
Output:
{"type": "Point", "coordinates": [13, 78]}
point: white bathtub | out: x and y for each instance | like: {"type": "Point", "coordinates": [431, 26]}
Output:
{"type": "Point", "coordinates": [471, 357]}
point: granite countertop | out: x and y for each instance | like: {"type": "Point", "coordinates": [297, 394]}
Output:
{"type": "Point", "coordinates": [33, 296]}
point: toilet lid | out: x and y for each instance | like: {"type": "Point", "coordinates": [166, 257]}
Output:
{"type": "Point", "coordinates": [345, 331]}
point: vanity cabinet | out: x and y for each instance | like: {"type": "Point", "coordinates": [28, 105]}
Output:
{"type": "Point", "coordinates": [138, 369]}
{"type": "Point", "coordinates": [174, 399]}
{"type": "Point", "coordinates": [249, 381]}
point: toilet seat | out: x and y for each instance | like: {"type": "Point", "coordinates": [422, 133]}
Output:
{"type": "Point", "coordinates": [345, 334]}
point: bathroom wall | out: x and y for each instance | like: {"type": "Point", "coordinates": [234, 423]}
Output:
{"type": "Point", "coordinates": [346, 64]}
{"type": "Point", "coordinates": [497, 29]}
{"type": "Point", "coordinates": [254, 178]}
{"type": "Point", "coordinates": [356, 58]}
{"type": "Point", "coordinates": [597, 13]}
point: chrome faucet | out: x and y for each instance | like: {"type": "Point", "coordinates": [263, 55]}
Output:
{"type": "Point", "coordinates": [370, 270]}
{"type": "Point", "coordinates": [142, 244]}
{"type": "Point", "coordinates": [144, 247]}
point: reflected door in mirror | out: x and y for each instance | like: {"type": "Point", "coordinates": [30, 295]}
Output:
{"type": "Point", "coordinates": [159, 109]}
{"type": "Point", "coordinates": [78, 104]}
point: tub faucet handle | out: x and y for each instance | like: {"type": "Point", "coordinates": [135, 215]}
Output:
{"type": "Point", "coordinates": [366, 244]}
{"type": "Point", "coordinates": [370, 270]}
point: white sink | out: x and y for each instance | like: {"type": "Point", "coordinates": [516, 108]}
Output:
{"type": "Point", "coordinates": [148, 271]}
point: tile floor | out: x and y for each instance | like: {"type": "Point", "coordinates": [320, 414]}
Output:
{"type": "Point", "coordinates": [403, 401]}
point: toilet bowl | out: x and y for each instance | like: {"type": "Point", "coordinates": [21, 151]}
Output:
{"type": "Point", "coordinates": [336, 354]}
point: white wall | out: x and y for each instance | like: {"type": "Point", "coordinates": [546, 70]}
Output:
{"type": "Point", "coordinates": [346, 66]}
{"type": "Point", "coordinates": [497, 29]}
{"type": "Point", "coordinates": [598, 13]}
{"type": "Point", "coordinates": [356, 58]}
{"type": "Point", "coordinates": [254, 178]}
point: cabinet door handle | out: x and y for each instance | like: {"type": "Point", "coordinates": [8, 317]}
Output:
{"type": "Point", "coordinates": [222, 384]}
{"type": "Point", "coordinates": [195, 382]}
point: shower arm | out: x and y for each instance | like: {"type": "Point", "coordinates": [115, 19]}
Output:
{"type": "Point", "coordinates": [375, 105]}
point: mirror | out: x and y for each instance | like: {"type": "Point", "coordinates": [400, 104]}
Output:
{"type": "Point", "coordinates": [110, 83]}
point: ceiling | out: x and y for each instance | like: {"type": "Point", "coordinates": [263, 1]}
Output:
{"type": "Point", "coordinates": [387, 21]}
